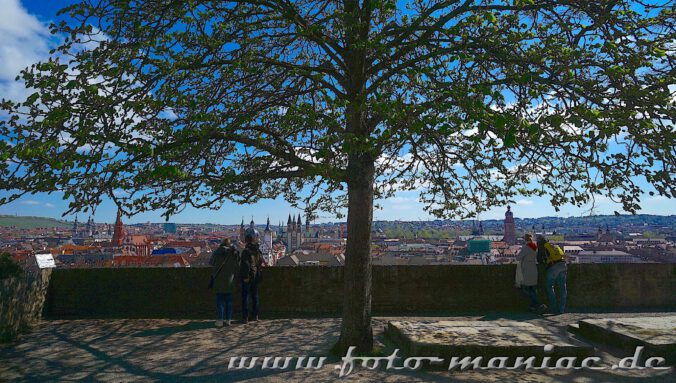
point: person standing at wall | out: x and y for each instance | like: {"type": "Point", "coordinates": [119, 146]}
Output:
{"type": "Point", "coordinates": [527, 261]}
{"type": "Point", "coordinates": [250, 274]}
{"type": "Point", "coordinates": [225, 262]}
{"type": "Point", "coordinates": [556, 273]}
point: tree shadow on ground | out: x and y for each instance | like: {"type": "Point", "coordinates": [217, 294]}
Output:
{"type": "Point", "coordinates": [190, 326]}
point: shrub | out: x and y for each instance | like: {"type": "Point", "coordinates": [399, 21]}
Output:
{"type": "Point", "coordinates": [9, 267]}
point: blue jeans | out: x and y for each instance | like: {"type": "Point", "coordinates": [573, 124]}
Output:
{"type": "Point", "coordinates": [556, 274]}
{"type": "Point", "coordinates": [532, 293]}
{"type": "Point", "coordinates": [224, 306]}
{"type": "Point", "coordinates": [250, 289]}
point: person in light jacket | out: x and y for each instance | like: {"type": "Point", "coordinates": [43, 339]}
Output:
{"type": "Point", "coordinates": [527, 259]}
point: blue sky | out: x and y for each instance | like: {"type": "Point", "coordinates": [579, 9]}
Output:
{"type": "Point", "coordinates": [25, 38]}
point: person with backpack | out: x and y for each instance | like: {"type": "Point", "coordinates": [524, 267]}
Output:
{"type": "Point", "coordinates": [250, 274]}
{"type": "Point", "coordinates": [527, 264]}
{"type": "Point", "coordinates": [225, 263]}
{"type": "Point", "coordinates": [556, 273]}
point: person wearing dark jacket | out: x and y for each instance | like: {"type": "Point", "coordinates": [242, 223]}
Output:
{"type": "Point", "coordinates": [250, 275]}
{"type": "Point", "coordinates": [225, 263]}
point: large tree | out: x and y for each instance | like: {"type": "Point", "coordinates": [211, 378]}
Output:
{"type": "Point", "coordinates": [332, 104]}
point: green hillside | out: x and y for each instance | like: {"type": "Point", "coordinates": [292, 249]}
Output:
{"type": "Point", "coordinates": [30, 222]}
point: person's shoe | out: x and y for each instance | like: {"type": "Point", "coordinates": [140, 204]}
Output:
{"type": "Point", "coordinates": [542, 309]}
{"type": "Point", "coordinates": [219, 323]}
{"type": "Point", "coordinates": [245, 320]}
{"type": "Point", "coordinates": [228, 322]}
{"type": "Point", "coordinates": [255, 319]}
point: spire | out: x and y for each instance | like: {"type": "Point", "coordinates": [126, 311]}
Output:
{"type": "Point", "coordinates": [118, 232]}
{"type": "Point", "coordinates": [252, 224]}
{"type": "Point", "coordinates": [267, 227]}
{"type": "Point", "coordinates": [75, 228]}
{"type": "Point", "coordinates": [242, 224]}
{"type": "Point", "coordinates": [289, 221]}
{"type": "Point", "coordinates": [299, 221]}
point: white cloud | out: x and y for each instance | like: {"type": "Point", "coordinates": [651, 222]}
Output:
{"type": "Point", "coordinates": [401, 200]}
{"type": "Point", "coordinates": [47, 204]}
{"type": "Point", "coordinates": [30, 202]}
{"type": "Point", "coordinates": [524, 202]}
{"type": "Point", "coordinates": [168, 113]}
{"type": "Point", "coordinates": [25, 41]}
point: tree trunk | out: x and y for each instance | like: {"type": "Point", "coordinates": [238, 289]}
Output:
{"type": "Point", "coordinates": [356, 324]}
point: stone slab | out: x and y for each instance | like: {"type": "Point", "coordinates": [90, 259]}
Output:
{"type": "Point", "coordinates": [656, 334]}
{"type": "Point", "coordinates": [489, 339]}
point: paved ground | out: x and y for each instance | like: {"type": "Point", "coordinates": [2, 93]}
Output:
{"type": "Point", "coordinates": [185, 350]}
{"type": "Point", "coordinates": [659, 331]}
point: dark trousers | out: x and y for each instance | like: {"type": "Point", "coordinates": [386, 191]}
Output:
{"type": "Point", "coordinates": [250, 290]}
{"type": "Point", "coordinates": [532, 293]}
{"type": "Point", "coordinates": [224, 306]}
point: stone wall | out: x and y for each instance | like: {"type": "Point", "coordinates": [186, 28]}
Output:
{"type": "Point", "coordinates": [21, 302]}
{"type": "Point", "coordinates": [316, 291]}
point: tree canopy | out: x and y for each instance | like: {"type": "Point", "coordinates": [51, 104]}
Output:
{"type": "Point", "coordinates": [164, 104]}
{"type": "Point", "coordinates": [196, 102]}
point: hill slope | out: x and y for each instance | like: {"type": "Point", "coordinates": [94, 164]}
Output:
{"type": "Point", "coordinates": [30, 222]}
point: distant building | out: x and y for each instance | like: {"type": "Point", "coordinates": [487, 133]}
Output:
{"type": "Point", "coordinates": [294, 234]}
{"type": "Point", "coordinates": [477, 230]}
{"type": "Point", "coordinates": [266, 244]}
{"type": "Point", "coordinates": [510, 231]}
{"type": "Point", "coordinates": [643, 242]}
{"type": "Point", "coordinates": [572, 250]}
{"type": "Point", "coordinates": [118, 231]}
{"type": "Point", "coordinates": [137, 245]}
{"type": "Point", "coordinates": [606, 256]}
{"type": "Point", "coordinates": [306, 258]}
{"type": "Point", "coordinates": [475, 246]}
{"type": "Point", "coordinates": [75, 232]}
{"type": "Point", "coordinates": [170, 228]}
{"type": "Point", "coordinates": [90, 227]}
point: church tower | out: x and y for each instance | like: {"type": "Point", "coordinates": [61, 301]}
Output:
{"type": "Point", "coordinates": [266, 244]}
{"type": "Point", "coordinates": [510, 231]}
{"type": "Point", "coordinates": [90, 227]}
{"type": "Point", "coordinates": [118, 232]}
{"type": "Point", "coordinates": [299, 232]}
{"type": "Point", "coordinates": [307, 225]}
{"type": "Point", "coordinates": [241, 231]}
{"type": "Point", "coordinates": [75, 228]}
{"type": "Point", "coordinates": [288, 234]}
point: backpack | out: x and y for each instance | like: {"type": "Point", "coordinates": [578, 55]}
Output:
{"type": "Point", "coordinates": [554, 253]}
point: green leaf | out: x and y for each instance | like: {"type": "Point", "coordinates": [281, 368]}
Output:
{"type": "Point", "coordinates": [32, 98]}
{"type": "Point", "coordinates": [499, 121]}
{"type": "Point", "coordinates": [510, 137]}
